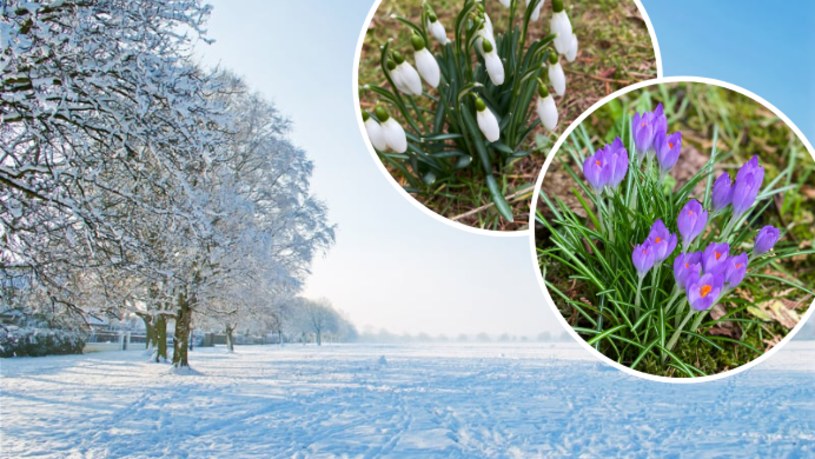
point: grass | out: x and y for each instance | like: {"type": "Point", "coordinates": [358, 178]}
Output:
{"type": "Point", "coordinates": [590, 275]}
{"type": "Point", "coordinates": [615, 51]}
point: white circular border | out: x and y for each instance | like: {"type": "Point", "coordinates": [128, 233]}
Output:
{"type": "Point", "coordinates": [539, 184]}
{"type": "Point", "coordinates": [416, 203]}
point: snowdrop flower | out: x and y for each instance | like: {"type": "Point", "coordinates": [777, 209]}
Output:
{"type": "Point", "coordinates": [487, 121]}
{"type": "Point", "coordinates": [374, 130]}
{"type": "Point", "coordinates": [392, 132]}
{"type": "Point", "coordinates": [571, 52]}
{"type": "Point", "coordinates": [562, 28]}
{"type": "Point", "coordinates": [536, 13]}
{"type": "Point", "coordinates": [556, 75]}
{"type": "Point", "coordinates": [425, 62]}
{"type": "Point", "coordinates": [436, 29]}
{"type": "Point", "coordinates": [404, 73]}
{"type": "Point", "coordinates": [546, 108]}
{"type": "Point", "coordinates": [495, 68]}
{"type": "Point", "coordinates": [505, 3]}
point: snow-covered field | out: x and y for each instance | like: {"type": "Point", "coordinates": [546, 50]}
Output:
{"type": "Point", "coordinates": [418, 401]}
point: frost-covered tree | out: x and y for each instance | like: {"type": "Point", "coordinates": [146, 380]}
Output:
{"type": "Point", "coordinates": [101, 110]}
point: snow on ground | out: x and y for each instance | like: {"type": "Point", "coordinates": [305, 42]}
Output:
{"type": "Point", "coordinates": [462, 400]}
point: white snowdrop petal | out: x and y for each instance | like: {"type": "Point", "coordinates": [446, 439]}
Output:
{"type": "Point", "coordinates": [571, 52]}
{"type": "Point", "coordinates": [394, 136]}
{"type": "Point", "coordinates": [428, 67]}
{"type": "Point", "coordinates": [495, 68]}
{"type": "Point", "coordinates": [558, 78]}
{"type": "Point", "coordinates": [410, 78]}
{"type": "Point", "coordinates": [437, 31]}
{"type": "Point", "coordinates": [488, 124]}
{"type": "Point", "coordinates": [547, 112]}
{"type": "Point", "coordinates": [562, 29]}
{"type": "Point", "coordinates": [536, 13]}
{"type": "Point", "coordinates": [505, 2]}
{"type": "Point", "coordinates": [375, 134]}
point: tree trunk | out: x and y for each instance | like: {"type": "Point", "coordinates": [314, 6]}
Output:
{"type": "Point", "coordinates": [160, 337]}
{"type": "Point", "coordinates": [319, 338]}
{"type": "Point", "coordinates": [149, 333]}
{"type": "Point", "coordinates": [182, 332]}
{"type": "Point", "coordinates": [230, 341]}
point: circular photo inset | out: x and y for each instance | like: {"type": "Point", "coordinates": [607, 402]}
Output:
{"type": "Point", "coordinates": [461, 101]}
{"type": "Point", "coordinates": [674, 229]}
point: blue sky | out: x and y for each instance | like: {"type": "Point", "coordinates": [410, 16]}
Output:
{"type": "Point", "coordinates": [393, 266]}
{"type": "Point", "coordinates": [765, 46]}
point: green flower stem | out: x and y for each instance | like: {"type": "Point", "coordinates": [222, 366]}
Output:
{"type": "Point", "coordinates": [678, 331]}
{"type": "Point", "coordinates": [637, 298]}
{"type": "Point", "coordinates": [698, 320]}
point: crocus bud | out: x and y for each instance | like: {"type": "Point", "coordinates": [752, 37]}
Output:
{"type": "Point", "coordinates": [687, 268]}
{"type": "Point", "coordinates": [556, 75]}
{"type": "Point", "coordinates": [495, 68]}
{"type": "Point", "coordinates": [662, 241]}
{"type": "Point", "coordinates": [487, 121]}
{"type": "Point", "coordinates": [617, 157]}
{"type": "Point", "coordinates": [392, 132]}
{"type": "Point", "coordinates": [704, 293]}
{"type": "Point", "coordinates": [436, 29]}
{"type": "Point", "coordinates": [748, 183]}
{"type": "Point", "coordinates": [735, 270]}
{"type": "Point", "coordinates": [546, 108]}
{"type": "Point", "coordinates": [691, 222]}
{"type": "Point", "coordinates": [667, 148]}
{"type": "Point", "coordinates": [714, 257]}
{"type": "Point", "coordinates": [766, 239]}
{"type": "Point", "coordinates": [643, 258]}
{"type": "Point", "coordinates": [374, 130]}
{"type": "Point", "coordinates": [595, 169]}
{"type": "Point", "coordinates": [536, 13]}
{"type": "Point", "coordinates": [425, 62]}
{"type": "Point", "coordinates": [722, 192]}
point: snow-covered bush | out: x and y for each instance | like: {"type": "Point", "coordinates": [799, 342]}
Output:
{"type": "Point", "coordinates": [37, 341]}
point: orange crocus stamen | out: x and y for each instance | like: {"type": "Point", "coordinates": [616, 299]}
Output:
{"type": "Point", "coordinates": [718, 255]}
{"type": "Point", "coordinates": [705, 290]}
{"type": "Point", "coordinates": [739, 265]}
{"type": "Point", "coordinates": [597, 162]}
{"type": "Point", "coordinates": [671, 145]}
{"type": "Point", "coordinates": [687, 266]}
{"type": "Point", "coordinates": [658, 240]}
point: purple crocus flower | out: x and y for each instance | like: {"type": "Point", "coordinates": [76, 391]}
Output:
{"type": "Point", "coordinates": [662, 241]}
{"type": "Point", "coordinates": [617, 160]}
{"type": "Point", "coordinates": [691, 222]}
{"type": "Point", "coordinates": [687, 268]}
{"type": "Point", "coordinates": [596, 170]}
{"type": "Point", "coordinates": [766, 239]}
{"type": "Point", "coordinates": [735, 270]}
{"type": "Point", "coordinates": [643, 258]}
{"type": "Point", "coordinates": [646, 126]}
{"type": "Point", "coordinates": [722, 191]}
{"type": "Point", "coordinates": [747, 185]}
{"type": "Point", "coordinates": [667, 147]}
{"type": "Point", "coordinates": [714, 258]}
{"type": "Point", "coordinates": [704, 292]}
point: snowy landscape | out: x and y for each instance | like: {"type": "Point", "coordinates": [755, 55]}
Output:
{"type": "Point", "coordinates": [407, 400]}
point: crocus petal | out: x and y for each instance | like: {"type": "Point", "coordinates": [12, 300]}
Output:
{"type": "Point", "coordinates": [668, 147]}
{"type": "Point", "coordinates": [375, 134]}
{"type": "Point", "coordinates": [547, 111]}
{"type": "Point", "coordinates": [766, 239]}
{"type": "Point", "coordinates": [557, 78]}
{"type": "Point", "coordinates": [715, 257]}
{"type": "Point", "coordinates": [428, 67]}
{"type": "Point", "coordinates": [643, 258]}
{"type": "Point", "coordinates": [735, 270]}
{"type": "Point", "coordinates": [704, 293]}
{"type": "Point", "coordinates": [394, 136]}
{"type": "Point", "coordinates": [722, 193]}
{"type": "Point", "coordinates": [488, 124]}
{"type": "Point", "coordinates": [691, 221]}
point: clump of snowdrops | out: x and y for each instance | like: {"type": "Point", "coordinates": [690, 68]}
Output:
{"type": "Point", "coordinates": [468, 94]}
{"type": "Point", "coordinates": [658, 259]}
